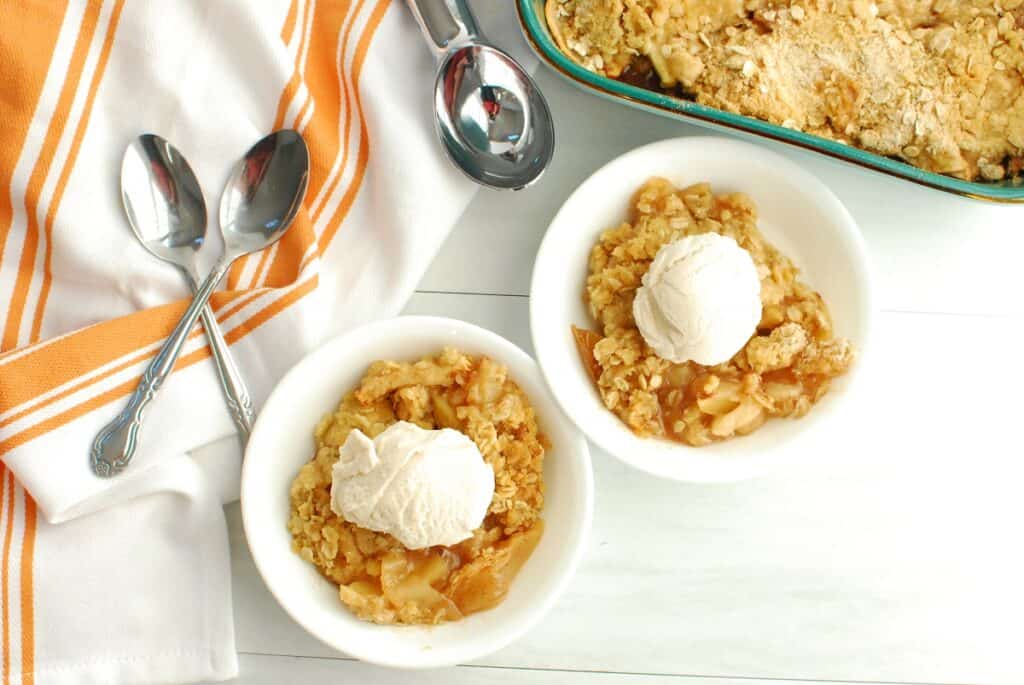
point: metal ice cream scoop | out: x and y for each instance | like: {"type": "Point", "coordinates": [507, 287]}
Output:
{"type": "Point", "coordinates": [493, 122]}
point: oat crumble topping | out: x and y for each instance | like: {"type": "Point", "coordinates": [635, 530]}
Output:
{"type": "Point", "coordinates": [785, 367]}
{"type": "Point", "coordinates": [378, 578]}
{"type": "Point", "coordinates": [936, 83]}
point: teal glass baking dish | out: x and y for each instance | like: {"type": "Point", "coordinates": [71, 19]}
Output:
{"type": "Point", "coordinates": [535, 27]}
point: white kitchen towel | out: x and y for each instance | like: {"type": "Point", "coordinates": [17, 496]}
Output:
{"type": "Point", "coordinates": [128, 580]}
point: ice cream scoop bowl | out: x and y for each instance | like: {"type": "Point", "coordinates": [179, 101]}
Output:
{"type": "Point", "coordinates": [492, 119]}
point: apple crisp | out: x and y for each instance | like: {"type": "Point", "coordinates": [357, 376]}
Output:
{"type": "Point", "coordinates": [936, 83]}
{"type": "Point", "coordinates": [378, 578]}
{"type": "Point", "coordinates": [783, 369]}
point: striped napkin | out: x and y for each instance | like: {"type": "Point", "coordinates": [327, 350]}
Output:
{"type": "Point", "coordinates": [128, 580]}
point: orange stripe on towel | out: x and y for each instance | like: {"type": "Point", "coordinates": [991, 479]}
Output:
{"type": "Point", "coordinates": [291, 88]}
{"type": "Point", "coordinates": [76, 144]}
{"type": "Point", "coordinates": [120, 391]}
{"type": "Point", "coordinates": [28, 609]}
{"type": "Point", "coordinates": [28, 30]}
{"type": "Point", "coordinates": [364, 144]}
{"type": "Point", "coordinates": [58, 119]}
{"type": "Point", "coordinates": [5, 612]}
{"type": "Point", "coordinates": [288, 263]}
{"type": "Point", "coordinates": [48, 366]}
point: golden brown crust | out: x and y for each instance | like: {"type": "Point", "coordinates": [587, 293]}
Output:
{"type": "Point", "coordinates": [936, 83]}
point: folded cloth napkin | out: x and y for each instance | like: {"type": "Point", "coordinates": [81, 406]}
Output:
{"type": "Point", "coordinates": [128, 580]}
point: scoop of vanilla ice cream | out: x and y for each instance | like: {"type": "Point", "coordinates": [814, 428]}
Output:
{"type": "Point", "coordinates": [700, 300]}
{"type": "Point", "coordinates": [424, 487]}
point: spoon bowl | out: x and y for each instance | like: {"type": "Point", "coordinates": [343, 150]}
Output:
{"type": "Point", "coordinates": [264, 193]}
{"type": "Point", "coordinates": [492, 120]}
{"type": "Point", "coordinates": [163, 200]}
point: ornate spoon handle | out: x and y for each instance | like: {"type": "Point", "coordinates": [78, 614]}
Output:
{"type": "Point", "coordinates": [115, 444]}
{"type": "Point", "coordinates": [236, 394]}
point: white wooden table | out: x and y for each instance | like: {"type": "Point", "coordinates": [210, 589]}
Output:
{"type": "Point", "coordinates": [894, 556]}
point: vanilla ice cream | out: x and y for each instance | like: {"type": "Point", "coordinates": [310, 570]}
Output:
{"type": "Point", "coordinates": [700, 300]}
{"type": "Point", "coordinates": [424, 487]}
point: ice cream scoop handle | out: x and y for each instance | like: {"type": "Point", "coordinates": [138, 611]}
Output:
{"type": "Point", "coordinates": [445, 23]}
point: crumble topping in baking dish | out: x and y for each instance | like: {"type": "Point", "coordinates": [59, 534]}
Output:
{"type": "Point", "coordinates": [936, 83]}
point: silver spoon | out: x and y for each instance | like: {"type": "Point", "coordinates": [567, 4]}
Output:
{"type": "Point", "coordinates": [167, 213]}
{"type": "Point", "coordinates": [258, 205]}
{"type": "Point", "coordinates": [493, 121]}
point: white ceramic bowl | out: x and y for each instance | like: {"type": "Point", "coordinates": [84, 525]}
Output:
{"type": "Point", "coordinates": [282, 441]}
{"type": "Point", "coordinates": [797, 213]}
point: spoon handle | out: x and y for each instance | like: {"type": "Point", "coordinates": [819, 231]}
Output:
{"type": "Point", "coordinates": [445, 23]}
{"type": "Point", "coordinates": [236, 394]}
{"type": "Point", "coordinates": [115, 444]}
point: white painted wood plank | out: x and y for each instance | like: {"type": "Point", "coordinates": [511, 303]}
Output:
{"type": "Point", "coordinates": [506, 315]}
{"type": "Point", "coordinates": [891, 555]}
{"type": "Point", "coordinates": [259, 669]}
{"type": "Point", "coordinates": [932, 252]}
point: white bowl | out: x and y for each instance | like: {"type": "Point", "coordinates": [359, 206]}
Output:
{"type": "Point", "coordinates": [282, 441]}
{"type": "Point", "coordinates": [797, 213]}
